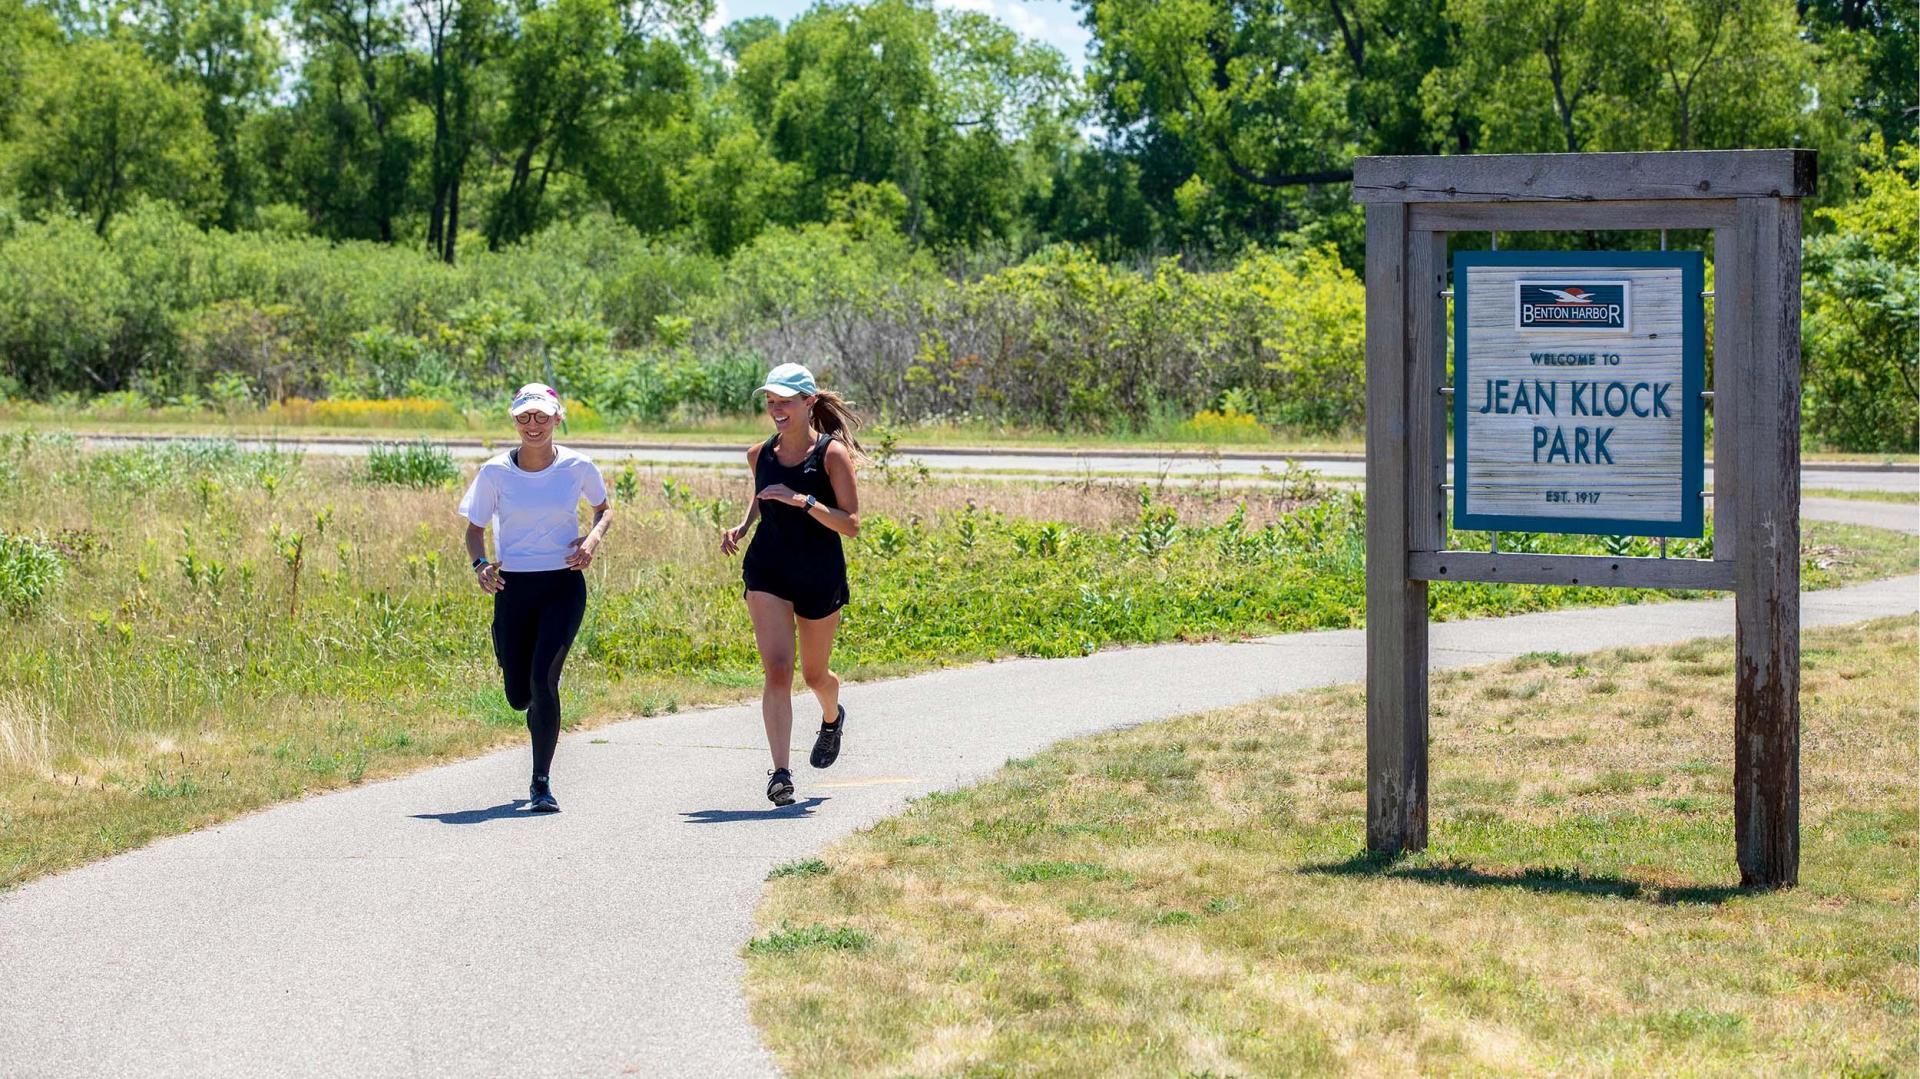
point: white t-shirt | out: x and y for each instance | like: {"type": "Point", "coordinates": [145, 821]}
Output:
{"type": "Point", "coordinates": [535, 515]}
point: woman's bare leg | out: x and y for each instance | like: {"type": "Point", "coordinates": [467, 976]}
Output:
{"type": "Point", "coordinates": [816, 648]}
{"type": "Point", "coordinates": [773, 633]}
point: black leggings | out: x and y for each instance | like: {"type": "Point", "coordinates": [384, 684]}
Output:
{"type": "Point", "coordinates": [534, 619]}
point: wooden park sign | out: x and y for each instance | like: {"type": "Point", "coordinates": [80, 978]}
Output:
{"type": "Point", "coordinates": [1578, 405]}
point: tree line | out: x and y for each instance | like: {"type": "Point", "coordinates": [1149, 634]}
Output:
{"type": "Point", "coordinates": [1197, 125]}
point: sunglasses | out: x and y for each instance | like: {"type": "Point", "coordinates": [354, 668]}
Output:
{"type": "Point", "coordinates": [532, 417]}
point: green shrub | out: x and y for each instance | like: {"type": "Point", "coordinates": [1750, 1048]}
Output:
{"type": "Point", "coordinates": [263, 346]}
{"type": "Point", "coordinates": [643, 330]}
{"type": "Point", "coordinates": [651, 387]}
{"type": "Point", "coordinates": [178, 465]}
{"type": "Point", "coordinates": [63, 297]}
{"type": "Point", "coordinates": [29, 570]}
{"type": "Point", "coordinates": [1313, 318]}
{"type": "Point", "coordinates": [1067, 341]}
{"type": "Point", "coordinates": [411, 464]}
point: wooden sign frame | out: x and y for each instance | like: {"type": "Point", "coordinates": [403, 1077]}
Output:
{"type": "Point", "coordinates": [1750, 200]}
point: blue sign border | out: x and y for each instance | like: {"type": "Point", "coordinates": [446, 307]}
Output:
{"type": "Point", "coordinates": [1693, 366]}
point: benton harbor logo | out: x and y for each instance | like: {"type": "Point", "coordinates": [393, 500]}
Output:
{"type": "Point", "coordinates": [1587, 305]}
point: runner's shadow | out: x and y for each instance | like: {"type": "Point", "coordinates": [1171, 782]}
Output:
{"type": "Point", "coordinates": [802, 808]}
{"type": "Point", "coordinates": [503, 811]}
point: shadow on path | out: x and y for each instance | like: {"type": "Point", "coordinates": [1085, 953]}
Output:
{"type": "Point", "coordinates": [503, 811]}
{"type": "Point", "coordinates": [1551, 879]}
{"type": "Point", "coordinates": [803, 808]}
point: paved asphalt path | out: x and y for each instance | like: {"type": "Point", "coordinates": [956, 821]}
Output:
{"type": "Point", "coordinates": [1028, 464]}
{"type": "Point", "coordinates": [424, 926]}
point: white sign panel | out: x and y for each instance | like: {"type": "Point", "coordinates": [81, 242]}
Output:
{"type": "Point", "coordinates": [1577, 379]}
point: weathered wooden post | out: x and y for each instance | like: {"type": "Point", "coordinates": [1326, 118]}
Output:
{"type": "Point", "coordinates": [1750, 198]}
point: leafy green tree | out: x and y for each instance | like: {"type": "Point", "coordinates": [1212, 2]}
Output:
{"type": "Point", "coordinates": [1003, 111]}
{"type": "Point", "coordinates": [101, 126]}
{"type": "Point", "coordinates": [1245, 115]}
{"type": "Point", "coordinates": [1589, 75]}
{"type": "Point", "coordinates": [1862, 370]}
{"type": "Point", "coordinates": [578, 71]}
{"type": "Point", "coordinates": [87, 18]}
{"type": "Point", "coordinates": [25, 31]}
{"type": "Point", "coordinates": [1881, 37]}
{"type": "Point", "coordinates": [1734, 73]}
{"type": "Point", "coordinates": [1251, 88]}
{"type": "Point", "coordinates": [847, 93]}
{"type": "Point", "coordinates": [459, 37]}
{"type": "Point", "coordinates": [951, 108]}
{"type": "Point", "coordinates": [742, 34]}
{"type": "Point", "coordinates": [663, 119]}
{"type": "Point", "coordinates": [1096, 200]}
{"type": "Point", "coordinates": [1271, 93]}
{"type": "Point", "coordinates": [736, 189]}
{"type": "Point", "coordinates": [1531, 76]}
{"type": "Point", "coordinates": [343, 151]}
{"type": "Point", "coordinates": [230, 50]}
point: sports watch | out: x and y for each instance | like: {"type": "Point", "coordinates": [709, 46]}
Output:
{"type": "Point", "coordinates": [812, 502]}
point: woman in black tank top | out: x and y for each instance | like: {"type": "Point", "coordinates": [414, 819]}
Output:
{"type": "Point", "coordinates": [805, 498]}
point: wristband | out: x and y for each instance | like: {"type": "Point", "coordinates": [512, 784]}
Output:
{"type": "Point", "coordinates": [478, 562]}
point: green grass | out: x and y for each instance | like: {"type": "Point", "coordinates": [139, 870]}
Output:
{"type": "Point", "coordinates": [787, 941]}
{"type": "Point", "coordinates": [1578, 910]}
{"type": "Point", "coordinates": [806, 867]}
{"type": "Point", "coordinates": [1035, 872]}
{"type": "Point", "coordinates": [228, 629]}
{"type": "Point", "coordinates": [1908, 497]}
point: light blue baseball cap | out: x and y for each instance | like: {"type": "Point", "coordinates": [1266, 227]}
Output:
{"type": "Point", "coordinates": [789, 380]}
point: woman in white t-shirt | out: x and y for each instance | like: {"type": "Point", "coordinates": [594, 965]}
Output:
{"type": "Point", "coordinates": [531, 495]}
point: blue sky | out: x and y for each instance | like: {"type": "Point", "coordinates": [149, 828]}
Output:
{"type": "Point", "coordinates": [1051, 21]}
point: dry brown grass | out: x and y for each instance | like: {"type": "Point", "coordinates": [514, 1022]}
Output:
{"type": "Point", "coordinates": [26, 738]}
{"type": "Point", "coordinates": [1185, 898]}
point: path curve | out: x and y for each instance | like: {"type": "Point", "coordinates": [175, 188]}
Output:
{"type": "Point", "coordinates": [419, 926]}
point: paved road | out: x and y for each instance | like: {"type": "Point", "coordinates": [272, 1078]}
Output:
{"type": "Point", "coordinates": [1898, 516]}
{"type": "Point", "coordinates": [421, 926]}
{"type": "Point", "coordinates": [1045, 465]}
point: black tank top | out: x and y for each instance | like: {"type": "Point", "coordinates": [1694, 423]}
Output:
{"type": "Point", "coordinates": [789, 539]}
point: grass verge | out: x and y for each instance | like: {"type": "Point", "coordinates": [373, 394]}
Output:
{"type": "Point", "coordinates": [721, 430]}
{"type": "Point", "coordinates": [1907, 497]}
{"type": "Point", "coordinates": [1185, 897]}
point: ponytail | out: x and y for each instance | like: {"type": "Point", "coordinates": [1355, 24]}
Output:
{"type": "Point", "coordinates": [833, 416]}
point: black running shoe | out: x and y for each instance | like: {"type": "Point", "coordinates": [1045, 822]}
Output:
{"type": "Point", "coordinates": [540, 797]}
{"type": "Point", "coordinates": [780, 787]}
{"type": "Point", "coordinates": [826, 744]}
